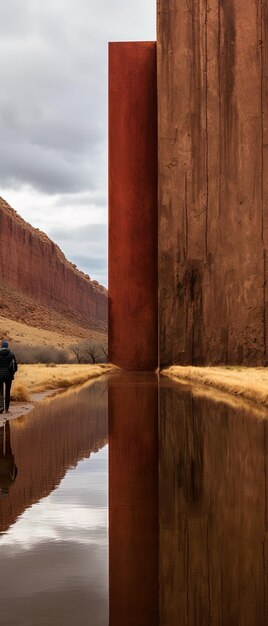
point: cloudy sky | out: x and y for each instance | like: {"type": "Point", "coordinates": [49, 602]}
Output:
{"type": "Point", "coordinates": [53, 115]}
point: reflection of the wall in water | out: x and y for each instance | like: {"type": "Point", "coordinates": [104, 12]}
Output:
{"type": "Point", "coordinates": [199, 550]}
{"type": "Point", "coordinates": [213, 516]}
{"type": "Point", "coordinates": [133, 500]}
{"type": "Point", "coordinates": [54, 437]}
{"type": "Point", "coordinates": [209, 550]}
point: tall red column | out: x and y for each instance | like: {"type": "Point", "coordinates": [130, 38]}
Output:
{"type": "Point", "coordinates": [133, 298]}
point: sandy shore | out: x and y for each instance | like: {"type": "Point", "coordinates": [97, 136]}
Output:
{"type": "Point", "coordinates": [17, 409]}
{"type": "Point", "coordinates": [38, 378]}
{"type": "Point", "coordinates": [34, 383]}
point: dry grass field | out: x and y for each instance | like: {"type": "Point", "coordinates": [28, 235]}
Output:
{"type": "Point", "coordinates": [250, 383]}
{"type": "Point", "coordinates": [38, 378]}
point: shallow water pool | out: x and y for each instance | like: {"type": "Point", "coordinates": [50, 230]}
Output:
{"type": "Point", "coordinates": [186, 541]}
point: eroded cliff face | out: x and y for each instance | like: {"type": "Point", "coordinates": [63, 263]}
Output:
{"type": "Point", "coordinates": [32, 264]}
{"type": "Point", "coordinates": [213, 219]}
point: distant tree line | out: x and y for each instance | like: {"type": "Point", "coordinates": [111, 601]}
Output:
{"type": "Point", "coordinates": [88, 352]}
{"type": "Point", "coordinates": [84, 352]}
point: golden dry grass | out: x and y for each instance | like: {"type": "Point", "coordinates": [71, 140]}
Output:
{"type": "Point", "coordinates": [250, 383]}
{"type": "Point", "coordinates": [218, 396]}
{"type": "Point", "coordinates": [38, 378]}
{"type": "Point", "coordinates": [19, 393]}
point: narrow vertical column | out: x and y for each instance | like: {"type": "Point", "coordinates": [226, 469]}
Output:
{"type": "Point", "coordinates": [133, 500]}
{"type": "Point", "coordinates": [133, 301]}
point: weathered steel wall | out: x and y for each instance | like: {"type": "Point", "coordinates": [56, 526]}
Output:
{"type": "Point", "coordinates": [213, 180]}
{"type": "Point", "coordinates": [133, 316]}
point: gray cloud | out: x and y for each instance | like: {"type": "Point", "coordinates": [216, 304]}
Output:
{"type": "Point", "coordinates": [94, 262]}
{"type": "Point", "coordinates": [53, 99]}
{"type": "Point", "coordinates": [86, 246]}
{"type": "Point", "coordinates": [89, 233]}
{"type": "Point", "coordinates": [48, 170]}
{"type": "Point", "coordinates": [97, 198]}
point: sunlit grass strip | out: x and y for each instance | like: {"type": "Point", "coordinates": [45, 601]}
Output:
{"type": "Point", "coordinates": [19, 393]}
{"type": "Point", "coordinates": [38, 378]}
{"type": "Point", "coordinates": [247, 382]}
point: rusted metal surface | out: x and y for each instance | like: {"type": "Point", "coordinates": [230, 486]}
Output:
{"type": "Point", "coordinates": [133, 301]}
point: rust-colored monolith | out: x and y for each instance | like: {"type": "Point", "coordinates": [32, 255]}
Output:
{"type": "Point", "coordinates": [133, 306]}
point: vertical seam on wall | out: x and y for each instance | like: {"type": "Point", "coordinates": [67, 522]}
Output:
{"type": "Point", "coordinates": [264, 307]}
{"type": "Point", "coordinates": [158, 196]}
{"type": "Point", "coordinates": [186, 215]}
{"type": "Point", "coordinates": [261, 63]}
{"type": "Point", "coordinates": [206, 74]}
{"type": "Point", "coordinates": [219, 96]}
{"type": "Point", "coordinates": [262, 213]}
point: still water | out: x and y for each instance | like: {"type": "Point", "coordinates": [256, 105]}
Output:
{"type": "Point", "coordinates": [184, 538]}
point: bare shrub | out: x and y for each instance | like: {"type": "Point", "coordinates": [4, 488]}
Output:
{"type": "Point", "coordinates": [39, 354]}
{"type": "Point", "coordinates": [78, 353]}
{"type": "Point", "coordinates": [105, 352]}
{"type": "Point", "coordinates": [91, 353]}
{"type": "Point", "coordinates": [88, 352]}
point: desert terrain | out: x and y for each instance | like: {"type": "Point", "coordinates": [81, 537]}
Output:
{"type": "Point", "coordinates": [44, 299]}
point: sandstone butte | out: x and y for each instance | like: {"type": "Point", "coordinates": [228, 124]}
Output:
{"type": "Point", "coordinates": [38, 284]}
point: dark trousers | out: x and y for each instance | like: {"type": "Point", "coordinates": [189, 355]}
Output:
{"type": "Point", "coordinates": [7, 384]}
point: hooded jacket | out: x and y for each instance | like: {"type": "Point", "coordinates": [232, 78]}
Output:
{"type": "Point", "coordinates": [8, 364]}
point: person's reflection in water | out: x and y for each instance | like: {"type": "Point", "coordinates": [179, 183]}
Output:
{"type": "Point", "coordinates": [8, 469]}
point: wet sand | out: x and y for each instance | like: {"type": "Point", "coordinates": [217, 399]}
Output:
{"type": "Point", "coordinates": [17, 409]}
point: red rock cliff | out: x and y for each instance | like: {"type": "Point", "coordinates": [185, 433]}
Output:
{"type": "Point", "coordinates": [31, 263]}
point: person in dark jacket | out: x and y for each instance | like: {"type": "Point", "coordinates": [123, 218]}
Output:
{"type": "Point", "coordinates": [8, 367]}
